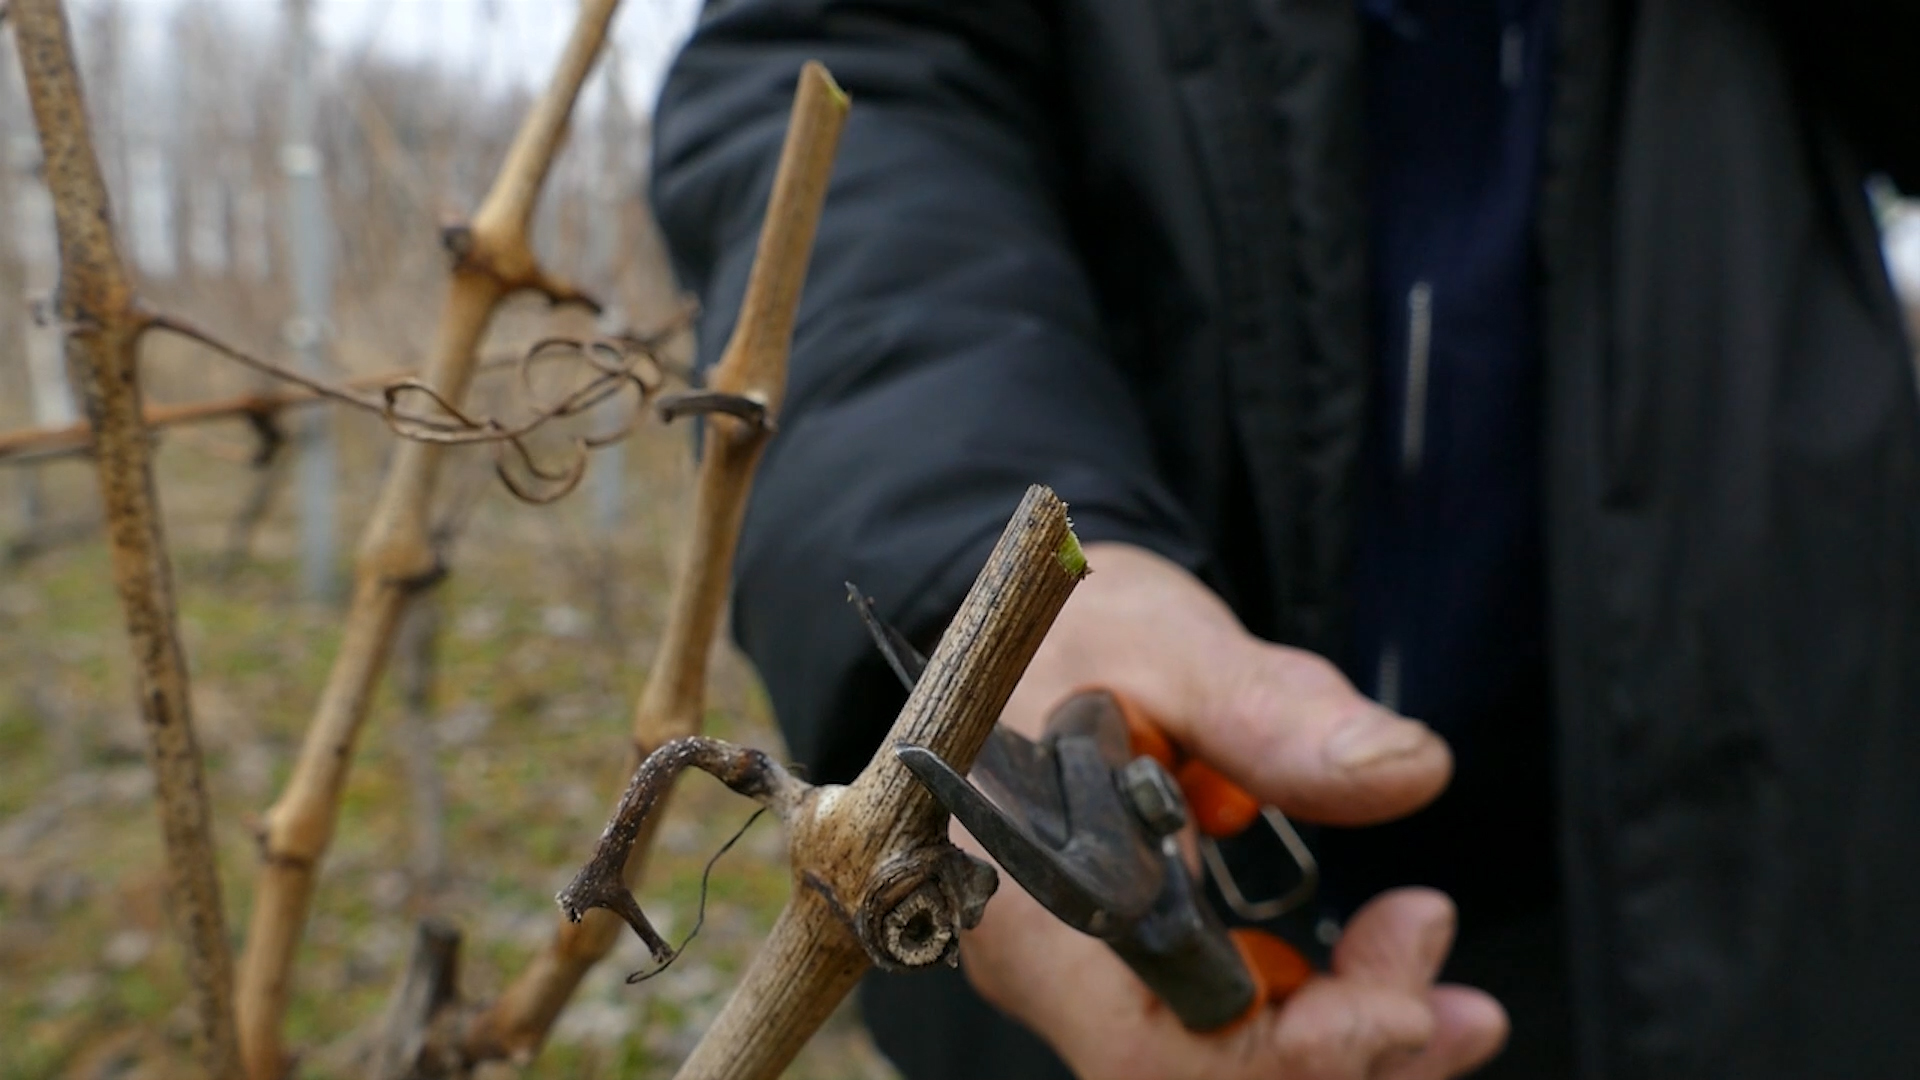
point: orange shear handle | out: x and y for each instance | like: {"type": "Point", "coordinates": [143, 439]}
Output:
{"type": "Point", "coordinates": [1278, 968]}
{"type": "Point", "coordinates": [1220, 807]}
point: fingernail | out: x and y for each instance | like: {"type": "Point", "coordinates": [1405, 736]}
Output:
{"type": "Point", "coordinates": [1373, 736]}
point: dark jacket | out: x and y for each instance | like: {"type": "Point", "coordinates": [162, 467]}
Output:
{"type": "Point", "coordinates": [1116, 246]}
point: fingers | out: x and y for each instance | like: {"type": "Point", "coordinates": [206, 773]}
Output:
{"type": "Point", "coordinates": [1469, 1029]}
{"type": "Point", "coordinates": [1343, 1029]}
{"type": "Point", "coordinates": [1354, 1032]}
{"type": "Point", "coordinates": [1398, 939]}
{"type": "Point", "coordinates": [1377, 1017]}
{"type": "Point", "coordinates": [1375, 1020]}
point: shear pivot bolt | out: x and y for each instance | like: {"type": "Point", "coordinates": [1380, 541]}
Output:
{"type": "Point", "coordinates": [1154, 796]}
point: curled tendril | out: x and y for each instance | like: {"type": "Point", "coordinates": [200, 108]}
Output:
{"type": "Point", "coordinates": [619, 363]}
{"type": "Point", "coordinates": [562, 483]}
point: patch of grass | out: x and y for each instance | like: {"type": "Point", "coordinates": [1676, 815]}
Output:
{"type": "Point", "coordinates": [530, 722]}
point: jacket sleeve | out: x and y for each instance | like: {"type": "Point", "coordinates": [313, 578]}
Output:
{"type": "Point", "coordinates": [948, 349]}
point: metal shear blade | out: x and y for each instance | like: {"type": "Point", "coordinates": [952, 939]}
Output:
{"type": "Point", "coordinates": [901, 656]}
{"type": "Point", "coordinates": [1093, 887]}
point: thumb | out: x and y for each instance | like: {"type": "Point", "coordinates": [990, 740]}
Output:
{"type": "Point", "coordinates": [1280, 722]}
{"type": "Point", "coordinates": [1287, 725]}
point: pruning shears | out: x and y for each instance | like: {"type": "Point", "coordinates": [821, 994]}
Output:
{"type": "Point", "coordinates": [1088, 820]}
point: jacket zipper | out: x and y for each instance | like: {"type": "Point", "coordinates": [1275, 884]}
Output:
{"type": "Point", "coordinates": [1513, 55]}
{"type": "Point", "coordinates": [1386, 682]}
{"type": "Point", "coordinates": [1413, 447]}
{"type": "Point", "coordinates": [1413, 421]}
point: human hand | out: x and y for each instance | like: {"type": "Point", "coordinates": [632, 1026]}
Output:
{"type": "Point", "coordinates": [1285, 725]}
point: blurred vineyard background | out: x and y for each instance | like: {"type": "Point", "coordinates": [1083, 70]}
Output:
{"type": "Point", "coordinates": [483, 777]}
{"type": "Point", "coordinates": [481, 784]}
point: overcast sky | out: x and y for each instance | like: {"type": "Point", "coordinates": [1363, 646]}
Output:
{"type": "Point", "coordinates": [500, 41]}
